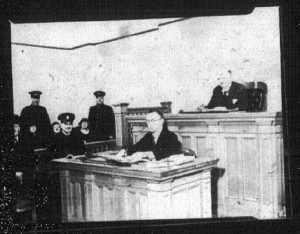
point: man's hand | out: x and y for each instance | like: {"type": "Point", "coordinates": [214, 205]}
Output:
{"type": "Point", "coordinates": [150, 155]}
{"type": "Point", "coordinates": [121, 154]}
{"type": "Point", "coordinates": [202, 107]}
{"type": "Point", "coordinates": [138, 156]}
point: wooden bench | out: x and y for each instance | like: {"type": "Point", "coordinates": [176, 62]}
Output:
{"type": "Point", "coordinates": [90, 147]}
{"type": "Point", "coordinates": [99, 146]}
{"type": "Point", "coordinates": [165, 108]}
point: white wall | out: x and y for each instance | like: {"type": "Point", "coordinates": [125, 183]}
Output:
{"type": "Point", "coordinates": [180, 62]}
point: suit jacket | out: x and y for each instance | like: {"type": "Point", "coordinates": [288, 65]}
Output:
{"type": "Point", "coordinates": [71, 144]}
{"type": "Point", "coordinates": [236, 91]}
{"type": "Point", "coordinates": [102, 122]}
{"type": "Point", "coordinates": [167, 145]}
{"type": "Point", "coordinates": [39, 116]}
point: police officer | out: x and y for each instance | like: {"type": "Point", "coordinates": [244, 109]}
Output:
{"type": "Point", "coordinates": [67, 141]}
{"type": "Point", "coordinates": [102, 119]}
{"type": "Point", "coordinates": [37, 114]}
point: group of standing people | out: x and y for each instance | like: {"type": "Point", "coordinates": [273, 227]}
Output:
{"type": "Point", "coordinates": [33, 130]}
{"type": "Point", "coordinates": [36, 131]}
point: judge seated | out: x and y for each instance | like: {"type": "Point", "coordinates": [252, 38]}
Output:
{"type": "Point", "coordinates": [158, 143]}
{"type": "Point", "coordinates": [68, 143]}
{"type": "Point", "coordinates": [228, 94]}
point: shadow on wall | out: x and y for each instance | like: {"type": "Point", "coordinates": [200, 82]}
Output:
{"type": "Point", "coordinates": [216, 173]}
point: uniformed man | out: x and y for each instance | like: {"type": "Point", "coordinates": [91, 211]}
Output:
{"type": "Point", "coordinates": [35, 113]}
{"type": "Point", "coordinates": [67, 141]}
{"type": "Point", "coordinates": [102, 119]}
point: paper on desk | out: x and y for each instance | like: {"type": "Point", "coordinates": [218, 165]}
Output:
{"type": "Point", "coordinates": [179, 159]}
{"type": "Point", "coordinates": [174, 160]}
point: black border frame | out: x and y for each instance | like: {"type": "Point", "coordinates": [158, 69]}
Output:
{"type": "Point", "coordinates": [21, 11]}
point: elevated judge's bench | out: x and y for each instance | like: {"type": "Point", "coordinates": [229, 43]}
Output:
{"type": "Point", "coordinates": [249, 178]}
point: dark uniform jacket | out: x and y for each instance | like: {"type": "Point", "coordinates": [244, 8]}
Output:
{"type": "Point", "coordinates": [68, 144]}
{"type": "Point", "coordinates": [21, 154]}
{"type": "Point", "coordinates": [39, 116]}
{"type": "Point", "coordinates": [35, 141]}
{"type": "Point", "coordinates": [236, 91]}
{"type": "Point", "coordinates": [102, 122]}
{"type": "Point", "coordinates": [167, 145]}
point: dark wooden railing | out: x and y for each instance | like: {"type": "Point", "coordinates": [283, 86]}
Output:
{"type": "Point", "coordinates": [165, 108]}
{"type": "Point", "coordinates": [90, 148]}
{"type": "Point", "coordinates": [99, 146]}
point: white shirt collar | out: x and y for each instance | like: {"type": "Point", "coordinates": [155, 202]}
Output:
{"type": "Point", "coordinates": [157, 134]}
{"type": "Point", "coordinates": [85, 131]}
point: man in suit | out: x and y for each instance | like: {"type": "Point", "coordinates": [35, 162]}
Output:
{"type": "Point", "coordinates": [229, 94]}
{"type": "Point", "coordinates": [159, 140]}
{"type": "Point", "coordinates": [37, 114]}
{"type": "Point", "coordinates": [102, 119]}
{"type": "Point", "coordinates": [67, 141]}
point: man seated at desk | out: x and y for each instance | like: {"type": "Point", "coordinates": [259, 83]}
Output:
{"type": "Point", "coordinates": [158, 143]}
{"type": "Point", "coordinates": [229, 94]}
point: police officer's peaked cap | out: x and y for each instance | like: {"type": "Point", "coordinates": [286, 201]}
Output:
{"type": "Point", "coordinates": [99, 94]}
{"type": "Point", "coordinates": [35, 94]}
{"type": "Point", "coordinates": [66, 117]}
{"type": "Point", "coordinates": [16, 119]}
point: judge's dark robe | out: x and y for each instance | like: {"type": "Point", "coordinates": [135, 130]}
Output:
{"type": "Point", "coordinates": [167, 145]}
{"type": "Point", "coordinates": [37, 115]}
{"type": "Point", "coordinates": [68, 144]}
{"type": "Point", "coordinates": [236, 91]}
{"type": "Point", "coordinates": [102, 122]}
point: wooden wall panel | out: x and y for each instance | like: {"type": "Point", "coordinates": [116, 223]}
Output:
{"type": "Point", "coordinates": [201, 146]}
{"type": "Point", "coordinates": [232, 172]}
{"type": "Point", "coordinates": [251, 169]}
{"type": "Point", "coordinates": [186, 141]}
{"type": "Point", "coordinates": [266, 176]}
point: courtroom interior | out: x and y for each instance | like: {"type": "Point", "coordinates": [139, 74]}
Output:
{"type": "Point", "coordinates": [86, 93]}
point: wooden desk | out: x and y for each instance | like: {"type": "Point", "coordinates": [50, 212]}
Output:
{"type": "Point", "coordinates": [97, 192]}
{"type": "Point", "coordinates": [250, 149]}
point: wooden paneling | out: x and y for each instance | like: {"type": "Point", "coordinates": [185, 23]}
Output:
{"type": "Point", "coordinates": [186, 141]}
{"type": "Point", "coordinates": [232, 171]}
{"type": "Point", "coordinates": [251, 169]}
{"type": "Point", "coordinates": [201, 147]}
{"type": "Point", "coordinates": [95, 195]}
{"type": "Point", "coordinates": [249, 179]}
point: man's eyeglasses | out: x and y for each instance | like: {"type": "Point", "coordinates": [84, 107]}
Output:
{"type": "Point", "coordinates": [151, 120]}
